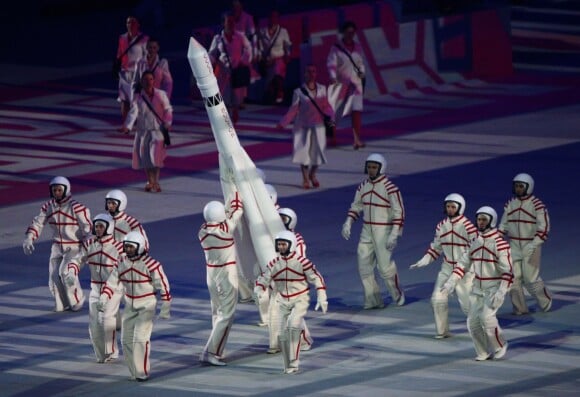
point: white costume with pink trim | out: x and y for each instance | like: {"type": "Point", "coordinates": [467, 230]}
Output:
{"type": "Point", "coordinates": [129, 61]}
{"type": "Point", "coordinates": [148, 147]}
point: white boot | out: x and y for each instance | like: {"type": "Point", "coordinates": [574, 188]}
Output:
{"type": "Point", "coordinates": [441, 314]}
{"type": "Point", "coordinates": [518, 299]}
{"type": "Point", "coordinates": [479, 338]}
{"type": "Point", "coordinates": [539, 291]}
{"type": "Point", "coordinates": [395, 288]}
{"type": "Point", "coordinates": [372, 293]}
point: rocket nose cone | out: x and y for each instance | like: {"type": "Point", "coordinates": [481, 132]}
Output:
{"type": "Point", "coordinates": [199, 60]}
{"type": "Point", "coordinates": [195, 49]}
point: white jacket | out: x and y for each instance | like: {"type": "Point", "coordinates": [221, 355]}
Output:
{"type": "Point", "coordinates": [291, 276]}
{"type": "Point", "coordinates": [380, 202]}
{"type": "Point", "coordinates": [141, 278]}
{"type": "Point", "coordinates": [101, 256]}
{"type": "Point", "coordinates": [124, 224]}
{"type": "Point", "coordinates": [490, 259]}
{"type": "Point", "coordinates": [160, 69]}
{"type": "Point", "coordinates": [144, 118]}
{"type": "Point", "coordinates": [524, 220]}
{"type": "Point", "coordinates": [69, 221]}
{"type": "Point", "coordinates": [217, 239]}
{"type": "Point", "coordinates": [452, 239]}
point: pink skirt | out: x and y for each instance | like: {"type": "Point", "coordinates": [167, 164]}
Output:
{"type": "Point", "coordinates": [148, 150]}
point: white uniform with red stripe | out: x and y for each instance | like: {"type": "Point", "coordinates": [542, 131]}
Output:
{"type": "Point", "coordinates": [70, 224]}
{"type": "Point", "coordinates": [141, 278]}
{"type": "Point", "coordinates": [102, 256]}
{"type": "Point", "coordinates": [125, 224]}
{"type": "Point", "coordinates": [274, 328]}
{"type": "Point", "coordinates": [291, 276]}
{"type": "Point", "coordinates": [217, 241]}
{"type": "Point", "coordinates": [490, 259]}
{"type": "Point", "coordinates": [452, 239]}
{"type": "Point", "coordinates": [381, 203]}
{"type": "Point", "coordinates": [525, 220]}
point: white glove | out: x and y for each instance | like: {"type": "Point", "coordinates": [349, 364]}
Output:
{"type": "Point", "coordinates": [392, 241]}
{"type": "Point", "coordinates": [70, 279]}
{"type": "Point", "coordinates": [28, 246]}
{"type": "Point", "coordinates": [164, 311]}
{"type": "Point", "coordinates": [529, 249]}
{"type": "Point", "coordinates": [258, 293]}
{"type": "Point", "coordinates": [346, 228]}
{"type": "Point", "coordinates": [321, 305]}
{"type": "Point", "coordinates": [449, 286]}
{"type": "Point", "coordinates": [498, 298]}
{"type": "Point", "coordinates": [424, 261]}
{"type": "Point", "coordinates": [102, 303]}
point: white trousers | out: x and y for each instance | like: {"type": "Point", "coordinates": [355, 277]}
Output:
{"type": "Point", "coordinates": [103, 325]}
{"type": "Point", "coordinates": [527, 275]}
{"type": "Point", "coordinates": [276, 326]}
{"type": "Point", "coordinates": [65, 296]}
{"type": "Point", "coordinates": [222, 283]}
{"type": "Point", "coordinates": [292, 316]}
{"type": "Point", "coordinates": [372, 253]}
{"type": "Point", "coordinates": [440, 301]}
{"type": "Point", "coordinates": [484, 329]}
{"type": "Point", "coordinates": [136, 335]}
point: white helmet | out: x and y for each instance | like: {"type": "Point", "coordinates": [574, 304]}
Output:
{"type": "Point", "coordinates": [377, 158]}
{"type": "Point", "coordinates": [261, 174]}
{"type": "Point", "coordinates": [136, 239]}
{"type": "Point", "coordinates": [288, 236]}
{"type": "Point", "coordinates": [490, 212]}
{"type": "Point", "coordinates": [118, 196]}
{"type": "Point", "coordinates": [292, 218]}
{"type": "Point", "coordinates": [456, 198]}
{"type": "Point", "coordinates": [272, 192]}
{"type": "Point", "coordinates": [107, 220]}
{"type": "Point", "coordinates": [60, 180]}
{"type": "Point", "coordinates": [214, 211]}
{"type": "Point", "coordinates": [528, 180]}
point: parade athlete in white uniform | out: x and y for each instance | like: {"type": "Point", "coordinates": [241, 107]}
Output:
{"type": "Point", "coordinates": [381, 203]}
{"type": "Point", "coordinates": [70, 223]}
{"type": "Point", "coordinates": [526, 222]}
{"type": "Point", "coordinates": [102, 253]}
{"type": "Point", "coordinates": [289, 219]}
{"type": "Point", "coordinates": [217, 240]}
{"type": "Point", "coordinates": [291, 274]}
{"type": "Point", "coordinates": [116, 204]}
{"type": "Point", "coordinates": [489, 258]}
{"type": "Point", "coordinates": [453, 235]}
{"type": "Point", "coordinates": [142, 277]}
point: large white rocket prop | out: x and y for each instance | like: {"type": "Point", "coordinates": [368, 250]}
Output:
{"type": "Point", "coordinates": [260, 214]}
